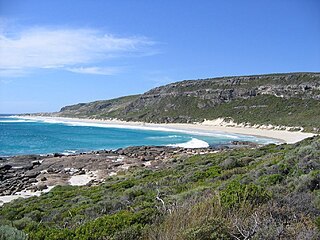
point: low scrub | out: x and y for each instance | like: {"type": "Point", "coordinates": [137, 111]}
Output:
{"type": "Point", "coordinates": [267, 193]}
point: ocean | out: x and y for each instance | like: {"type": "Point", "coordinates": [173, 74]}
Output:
{"type": "Point", "coordinates": [23, 136]}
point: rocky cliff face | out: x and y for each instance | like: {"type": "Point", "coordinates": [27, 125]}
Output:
{"type": "Point", "coordinates": [222, 90]}
{"type": "Point", "coordinates": [195, 100]}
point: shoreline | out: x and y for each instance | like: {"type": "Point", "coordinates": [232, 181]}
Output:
{"type": "Point", "coordinates": [77, 170]}
{"type": "Point", "coordinates": [31, 175]}
{"type": "Point", "coordinates": [206, 128]}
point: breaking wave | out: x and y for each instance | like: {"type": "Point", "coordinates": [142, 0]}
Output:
{"type": "Point", "coordinates": [15, 121]}
{"type": "Point", "coordinates": [193, 143]}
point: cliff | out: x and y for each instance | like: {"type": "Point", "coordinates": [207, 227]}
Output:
{"type": "Point", "coordinates": [290, 99]}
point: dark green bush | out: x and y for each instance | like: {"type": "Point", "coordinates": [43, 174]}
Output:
{"type": "Point", "coordinates": [237, 194]}
{"type": "Point", "coordinates": [272, 179]}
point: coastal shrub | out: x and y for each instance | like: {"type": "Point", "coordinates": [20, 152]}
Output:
{"type": "Point", "coordinates": [116, 225]}
{"type": "Point", "coordinates": [232, 173]}
{"type": "Point", "coordinates": [46, 233]}
{"type": "Point", "coordinates": [236, 195]}
{"type": "Point", "coordinates": [129, 233]}
{"type": "Point", "coordinates": [11, 233]}
{"type": "Point", "coordinates": [317, 222]}
{"type": "Point", "coordinates": [195, 215]}
{"type": "Point", "coordinates": [123, 185]}
{"type": "Point", "coordinates": [271, 179]}
{"type": "Point", "coordinates": [35, 215]}
{"type": "Point", "coordinates": [213, 229]}
{"type": "Point", "coordinates": [230, 163]}
{"type": "Point", "coordinates": [211, 172]}
{"type": "Point", "coordinates": [306, 182]}
{"type": "Point", "coordinates": [305, 151]}
{"type": "Point", "coordinates": [104, 227]}
{"type": "Point", "coordinates": [244, 161]}
{"type": "Point", "coordinates": [22, 223]}
{"type": "Point", "coordinates": [203, 200]}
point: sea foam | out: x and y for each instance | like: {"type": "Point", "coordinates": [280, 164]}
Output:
{"type": "Point", "coordinates": [16, 121]}
{"type": "Point", "coordinates": [193, 143]}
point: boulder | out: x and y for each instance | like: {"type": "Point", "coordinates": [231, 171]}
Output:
{"type": "Point", "coordinates": [5, 167]}
{"type": "Point", "coordinates": [41, 187]}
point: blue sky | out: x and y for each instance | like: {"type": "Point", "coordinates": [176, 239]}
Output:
{"type": "Point", "coordinates": [55, 53]}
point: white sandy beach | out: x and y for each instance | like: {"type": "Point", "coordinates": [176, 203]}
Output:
{"type": "Point", "coordinates": [205, 128]}
{"type": "Point", "coordinates": [218, 126]}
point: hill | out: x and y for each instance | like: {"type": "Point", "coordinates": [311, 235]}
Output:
{"type": "Point", "coordinates": [101, 109]}
{"type": "Point", "coordinates": [290, 99]}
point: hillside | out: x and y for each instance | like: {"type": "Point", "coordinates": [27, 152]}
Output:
{"type": "Point", "coordinates": [272, 192]}
{"type": "Point", "coordinates": [101, 109]}
{"type": "Point", "coordinates": [291, 99]}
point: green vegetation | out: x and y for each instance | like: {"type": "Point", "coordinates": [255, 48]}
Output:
{"type": "Point", "coordinates": [11, 233]}
{"type": "Point", "coordinates": [262, 109]}
{"type": "Point", "coordinates": [267, 109]}
{"type": "Point", "coordinates": [268, 193]}
{"type": "Point", "coordinates": [99, 109]}
{"type": "Point", "coordinates": [277, 99]}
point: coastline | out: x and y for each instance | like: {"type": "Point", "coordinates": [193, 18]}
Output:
{"type": "Point", "coordinates": [77, 169]}
{"type": "Point", "coordinates": [31, 175]}
{"type": "Point", "coordinates": [205, 128]}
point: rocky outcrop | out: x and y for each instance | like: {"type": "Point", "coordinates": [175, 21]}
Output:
{"type": "Point", "coordinates": [215, 91]}
{"type": "Point", "coordinates": [18, 174]}
{"type": "Point", "coordinates": [36, 173]}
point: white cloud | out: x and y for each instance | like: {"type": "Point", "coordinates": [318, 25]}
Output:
{"type": "Point", "coordinates": [96, 70]}
{"type": "Point", "coordinates": [12, 72]}
{"type": "Point", "coordinates": [64, 48]}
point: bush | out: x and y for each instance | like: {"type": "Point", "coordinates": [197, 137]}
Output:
{"type": "Point", "coordinates": [272, 179]}
{"type": "Point", "coordinates": [214, 229]}
{"type": "Point", "coordinates": [211, 172]}
{"type": "Point", "coordinates": [236, 195]}
{"type": "Point", "coordinates": [11, 233]}
{"type": "Point", "coordinates": [230, 163]}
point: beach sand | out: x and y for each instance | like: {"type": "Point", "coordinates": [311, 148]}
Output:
{"type": "Point", "coordinates": [205, 128]}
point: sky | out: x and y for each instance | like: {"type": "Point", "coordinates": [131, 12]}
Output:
{"type": "Point", "coordinates": [57, 53]}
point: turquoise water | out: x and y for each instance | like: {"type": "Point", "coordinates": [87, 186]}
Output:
{"type": "Point", "coordinates": [21, 136]}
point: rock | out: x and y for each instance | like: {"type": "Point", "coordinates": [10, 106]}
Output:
{"type": "Point", "coordinates": [58, 155]}
{"type": "Point", "coordinates": [148, 158]}
{"type": "Point", "coordinates": [6, 192]}
{"type": "Point", "coordinates": [244, 143]}
{"type": "Point", "coordinates": [32, 188]}
{"type": "Point", "coordinates": [43, 179]}
{"type": "Point", "coordinates": [5, 167]}
{"type": "Point", "coordinates": [32, 180]}
{"type": "Point", "coordinates": [35, 163]}
{"type": "Point", "coordinates": [41, 187]}
{"type": "Point", "coordinates": [50, 170]}
{"type": "Point", "coordinates": [23, 167]}
{"type": "Point", "coordinates": [32, 174]}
